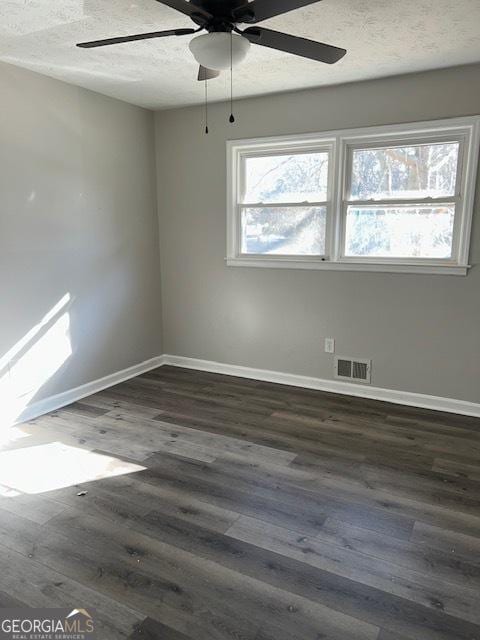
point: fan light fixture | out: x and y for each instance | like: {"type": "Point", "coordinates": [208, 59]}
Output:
{"type": "Point", "coordinates": [217, 49]}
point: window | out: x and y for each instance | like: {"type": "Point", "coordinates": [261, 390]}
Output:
{"type": "Point", "coordinates": [388, 198]}
{"type": "Point", "coordinates": [401, 200]}
{"type": "Point", "coordinates": [283, 209]}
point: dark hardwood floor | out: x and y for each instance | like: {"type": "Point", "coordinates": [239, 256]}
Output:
{"type": "Point", "coordinates": [218, 508]}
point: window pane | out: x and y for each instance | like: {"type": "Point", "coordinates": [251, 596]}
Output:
{"type": "Point", "coordinates": [284, 231]}
{"type": "Point", "coordinates": [416, 171]}
{"type": "Point", "coordinates": [296, 177]}
{"type": "Point", "coordinates": [400, 232]}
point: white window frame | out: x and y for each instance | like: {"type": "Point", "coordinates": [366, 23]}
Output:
{"type": "Point", "coordinates": [340, 145]}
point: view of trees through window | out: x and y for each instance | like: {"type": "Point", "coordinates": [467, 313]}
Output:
{"type": "Point", "coordinates": [287, 179]}
{"type": "Point", "coordinates": [284, 231]}
{"type": "Point", "coordinates": [399, 232]}
{"type": "Point", "coordinates": [416, 171]}
{"type": "Point", "coordinates": [398, 173]}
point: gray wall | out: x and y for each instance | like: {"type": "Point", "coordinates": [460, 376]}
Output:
{"type": "Point", "coordinates": [77, 223]}
{"type": "Point", "coordinates": [422, 332]}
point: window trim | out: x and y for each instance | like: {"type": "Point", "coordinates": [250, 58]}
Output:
{"type": "Point", "coordinates": [339, 144]}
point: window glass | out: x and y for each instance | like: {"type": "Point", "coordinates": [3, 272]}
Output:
{"type": "Point", "coordinates": [399, 232]}
{"type": "Point", "coordinates": [413, 171]}
{"type": "Point", "coordinates": [284, 230]}
{"type": "Point", "coordinates": [296, 177]}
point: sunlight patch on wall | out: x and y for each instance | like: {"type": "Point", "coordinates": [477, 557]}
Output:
{"type": "Point", "coordinates": [33, 360]}
{"type": "Point", "coordinates": [55, 465]}
{"type": "Point", "coordinates": [6, 492]}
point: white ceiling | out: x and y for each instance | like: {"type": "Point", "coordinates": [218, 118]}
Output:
{"type": "Point", "coordinates": [383, 37]}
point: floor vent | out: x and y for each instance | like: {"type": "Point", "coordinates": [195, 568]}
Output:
{"type": "Point", "coordinates": [353, 369]}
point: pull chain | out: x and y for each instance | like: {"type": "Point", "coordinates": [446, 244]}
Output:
{"type": "Point", "coordinates": [232, 118]}
{"type": "Point", "coordinates": [206, 106]}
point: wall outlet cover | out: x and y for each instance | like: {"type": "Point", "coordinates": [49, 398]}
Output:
{"type": "Point", "coordinates": [329, 345]}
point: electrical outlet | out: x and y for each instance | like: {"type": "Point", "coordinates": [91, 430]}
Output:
{"type": "Point", "coordinates": [329, 345]}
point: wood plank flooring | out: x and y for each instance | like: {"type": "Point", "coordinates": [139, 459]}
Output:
{"type": "Point", "coordinates": [219, 508]}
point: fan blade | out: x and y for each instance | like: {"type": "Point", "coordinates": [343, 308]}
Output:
{"type": "Point", "coordinates": [262, 9]}
{"type": "Point", "coordinates": [138, 36]}
{"type": "Point", "coordinates": [292, 44]}
{"type": "Point", "coordinates": [207, 74]}
{"type": "Point", "coordinates": [188, 8]}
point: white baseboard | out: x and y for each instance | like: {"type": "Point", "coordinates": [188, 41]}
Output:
{"type": "Point", "coordinates": [408, 398]}
{"type": "Point", "coordinates": [59, 400]}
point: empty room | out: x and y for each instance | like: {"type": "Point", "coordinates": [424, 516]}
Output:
{"type": "Point", "coordinates": [239, 320]}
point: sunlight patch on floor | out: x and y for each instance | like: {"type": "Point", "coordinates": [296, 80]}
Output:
{"type": "Point", "coordinates": [12, 437]}
{"type": "Point", "coordinates": [55, 465]}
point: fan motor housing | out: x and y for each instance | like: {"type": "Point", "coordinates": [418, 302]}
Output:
{"type": "Point", "coordinates": [223, 12]}
{"type": "Point", "coordinates": [218, 7]}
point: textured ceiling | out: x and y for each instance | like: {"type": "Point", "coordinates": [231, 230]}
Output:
{"type": "Point", "coordinates": [383, 37]}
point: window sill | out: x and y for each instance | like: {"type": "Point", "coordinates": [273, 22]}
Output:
{"type": "Point", "coordinates": [292, 263]}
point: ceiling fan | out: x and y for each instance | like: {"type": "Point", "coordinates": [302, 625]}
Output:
{"type": "Point", "coordinates": [219, 48]}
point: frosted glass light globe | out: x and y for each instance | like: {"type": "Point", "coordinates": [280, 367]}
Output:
{"type": "Point", "coordinates": [212, 50]}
